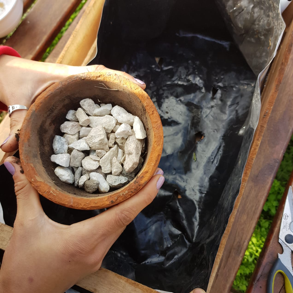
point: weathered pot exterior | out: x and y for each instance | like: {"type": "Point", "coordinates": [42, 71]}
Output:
{"type": "Point", "coordinates": [45, 116]}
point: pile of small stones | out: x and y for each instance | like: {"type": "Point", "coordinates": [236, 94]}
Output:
{"type": "Point", "coordinates": [101, 149]}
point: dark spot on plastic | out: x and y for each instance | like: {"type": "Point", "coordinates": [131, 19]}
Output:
{"type": "Point", "coordinates": [199, 136]}
{"type": "Point", "coordinates": [214, 91]}
{"type": "Point", "coordinates": [289, 238]}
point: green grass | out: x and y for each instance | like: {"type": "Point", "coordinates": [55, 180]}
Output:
{"type": "Point", "coordinates": [63, 30]}
{"type": "Point", "coordinates": [262, 228]}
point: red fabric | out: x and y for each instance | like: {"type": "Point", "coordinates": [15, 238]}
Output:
{"type": "Point", "coordinates": [5, 50]}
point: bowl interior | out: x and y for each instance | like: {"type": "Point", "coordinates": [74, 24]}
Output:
{"type": "Point", "coordinates": [45, 123]}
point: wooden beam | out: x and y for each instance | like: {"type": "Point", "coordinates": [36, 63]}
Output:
{"type": "Point", "coordinates": [269, 254]}
{"type": "Point", "coordinates": [40, 27]}
{"type": "Point", "coordinates": [270, 142]}
{"type": "Point", "coordinates": [54, 55]}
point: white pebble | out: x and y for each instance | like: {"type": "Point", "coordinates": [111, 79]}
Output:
{"type": "Point", "coordinates": [111, 140]}
{"type": "Point", "coordinates": [70, 127]}
{"type": "Point", "coordinates": [122, 115]}
{"type": "Point", "coordinates": [84, 131]}
{"type": "Point", "coordinates": [107, 121]}
{"type": "Point", "coordinates": [132, 153]}
{"type": "Point", "coordinates": [60, 145]}
{"type": "Point", "coordinates": [120, 155]}
{"type": "Point", "coordinates": [77, 176]}
{"type": "Point", "coordinates": [116, 181]}
{"type": "Point", "coordinates": [104, 110]}
{"type": "Point", "coordinates": [139, 128]}
{"type": "Point", "coordinates": [80, 145]}
{"type": "Point", "coordinates": [88, 105]}
{"type": "Point", "coordinates": [100, 153]}
{"type": "Point", "coordinates": [121, 142]}
{"type": "Point", "coordinates": [103, 184]}
{"type": "Point", "coordinates": [76, 158]}
{"type": "Point", "coordinates": [106, 161]}
{"type": "Point", "coordinates": [71, 115]}
{"type": "Point", "coordinates": [91, 186]}
{"type": "Point", "coordinates": [124, 131]}
{"type": "Point", "coordinates": [89, 164]}
{"type": "Point", "coordinates": [61, 159]}
{"type": "Point", "coordinates": [83, 179]}
{"type": "Point", "coordinates": [82, 117]}
{"type": "Point", "coordinates": [116, 167]}
{"type": "Point", "coordinates": [71, 138]}
{"type": "Point", "coordinates": [97, 139]}
{"type": "Point", "coordinates": [64, 174]}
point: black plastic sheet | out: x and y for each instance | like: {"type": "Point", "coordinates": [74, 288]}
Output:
{"type": "Point", "coordinates": [203, 90]}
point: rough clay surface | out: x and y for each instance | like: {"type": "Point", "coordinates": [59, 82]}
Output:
{"type": "Point", "coordinates": [101, 148]}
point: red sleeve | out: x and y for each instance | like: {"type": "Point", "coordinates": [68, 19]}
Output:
{"type": "Point", "coordinates": [5, 50]}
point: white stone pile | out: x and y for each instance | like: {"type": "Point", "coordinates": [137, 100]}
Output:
{"type": "Point", "coordinates": [101, 149]}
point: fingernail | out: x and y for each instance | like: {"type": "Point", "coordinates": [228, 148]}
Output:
{"type": "Point", "coordinates": [139, 81]}
{"type": "Point", "coordinates": [160, 182]}
{"type": "Point", "coordinates": [4, 142]}
{"type": "Point", "coordinates": [9, 168]}
{"type": "Point", "coordinates": [159, 172]}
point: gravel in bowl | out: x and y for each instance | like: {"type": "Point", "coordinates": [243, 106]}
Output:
{"type": "Point", "coordinates": [102, 148]}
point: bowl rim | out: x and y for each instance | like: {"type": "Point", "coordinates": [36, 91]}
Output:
{"type": "Point", "coordinates": [109, 199]}
{"type": "Point", "coordinates": [11, 6]}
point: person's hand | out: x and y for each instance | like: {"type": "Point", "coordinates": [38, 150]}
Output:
{"type": "Point", "coordinates": [198, 291]}
{"type": "Point", "coordinates": [22, 80]}
{"type": "Point", "coordinates": [44, 256]}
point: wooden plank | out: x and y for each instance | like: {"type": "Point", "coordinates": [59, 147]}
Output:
{"type": "Point", "coordinates": [82, 39]}
{"type": "Point", "coordinates": [270, 142]}
{"type": "Point", "coordinates": [40, 27]}
{"type": "Point", "coordinates": [258, 282]}
{"type": "Point", "coordinates": [62, 42]}
{"type": "Point", "coordinates": [102, 281]}
{"type": "Point", "coordinates": [27, 4]}
{"type": "Point", "coordinates": [106, 281]}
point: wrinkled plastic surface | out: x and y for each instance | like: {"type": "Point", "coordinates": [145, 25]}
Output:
{"type": "Point", "coordinates": [209, 103]}
{"type": "Point", "coordinates": [208, 99]}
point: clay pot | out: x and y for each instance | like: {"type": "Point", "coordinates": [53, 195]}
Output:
{"type": "Point", "coordinates": [43, 122]}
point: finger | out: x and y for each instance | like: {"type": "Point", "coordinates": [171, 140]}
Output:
{"type": "Point", "coordinates": [137, 81]}
{"type": "Point", "coordinates": [11, 142]}
{"type": "Point", "coordinates": [28, 201]}
{"type": "Point", "coordinates": [115, 220]}
{"type": "Point", "coordinates": [198, 291]}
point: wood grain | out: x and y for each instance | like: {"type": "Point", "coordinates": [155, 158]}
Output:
{"type": "Point", "coordinates": [40, 27]}
{"type": "Point", "coordinates": [258, 282]}
{"type": "Point", "coordinates": [82, 39]}
{"type": "Point", "coordinates": [102, 281]}
{"type": "Point", "coordinates": [27, 4]}
{"type": "Point", "coordinates": [54, 55]}
{"type": "Point", "coordinates": [270, 142]}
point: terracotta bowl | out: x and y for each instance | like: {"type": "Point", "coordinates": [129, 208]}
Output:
{"type": "Point", "coordinates": [43, 122]}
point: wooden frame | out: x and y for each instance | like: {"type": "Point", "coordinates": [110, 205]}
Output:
{"type": "Point", "coordinates": [270, 142]}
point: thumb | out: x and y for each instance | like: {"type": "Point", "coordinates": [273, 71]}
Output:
{"type": "Point", "coordinates": [198, 291]}
{"type": "Point", "coordinates": [11, 142]}
{"type": "Point", "coordinates": [28, 201]}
